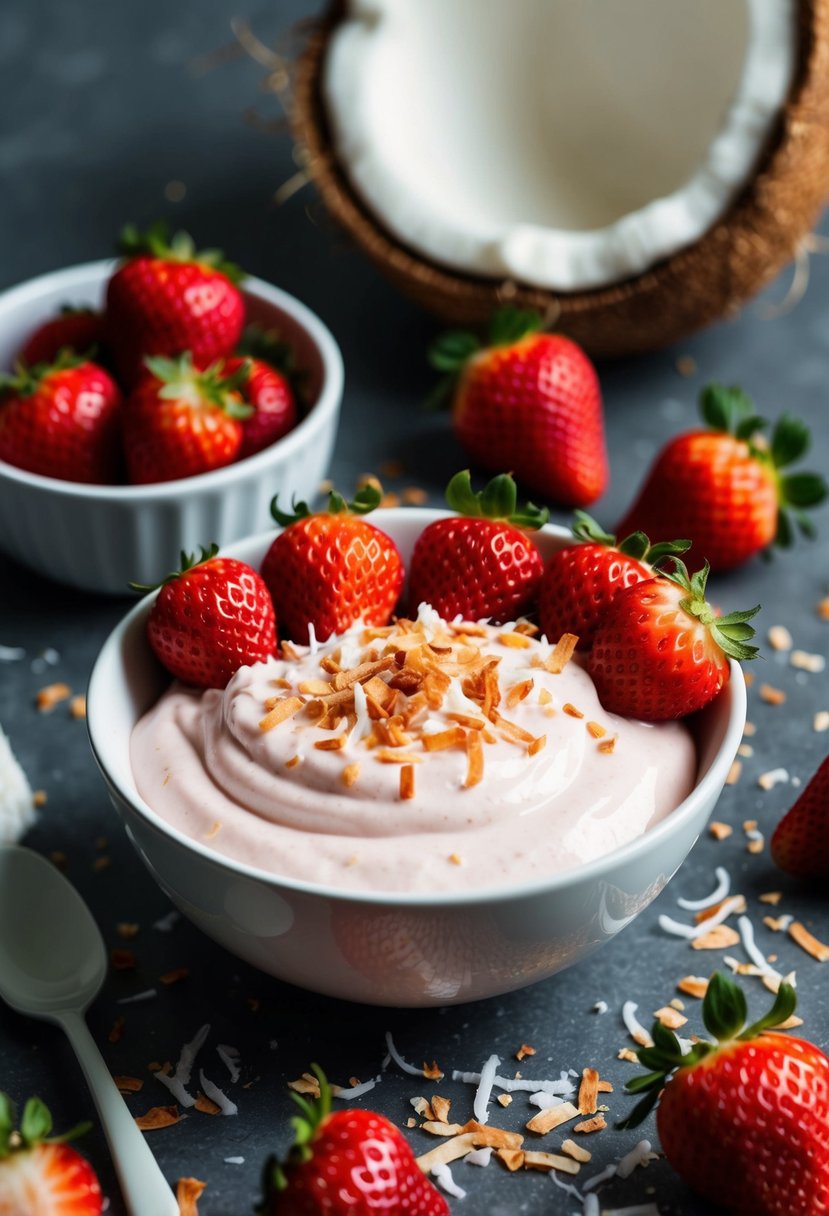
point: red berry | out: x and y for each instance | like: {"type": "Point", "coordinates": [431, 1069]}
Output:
{"type": "Point", "coordinates": [480, 563]}
{"type": "Point", "coordinates": [166, 299]}
{"type": "Point", "coordinates": [79, 330]}
{"type": "Point", "coordinates": [62, 421]}
{"type": "Point", "coordinates": [210, 619]}
{"type": "Point", "coordinates": [272, 398]}
{"type": "Point", "coordinates": [530, 402]}
{"type": "Point", "coordinates": [723, 488]}
{"type": "Point", "coordinates": [40, 1176]}
{"type": "Point", "coordinates": [660, 652]}
{"type": "Point", "coordinates": [800, 843]}
{"type": "Point", "coordinates": [331, 569]}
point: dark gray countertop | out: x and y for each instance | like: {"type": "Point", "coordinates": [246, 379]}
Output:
{"type": "Point", "coordinates": [105, 106]}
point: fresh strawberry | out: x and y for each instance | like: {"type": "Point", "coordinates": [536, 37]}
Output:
{"type": "Point", "coordinates": [480, 562]}
{"type": "Point", "coordinates": [726, 488]}
{"type": "Point", "coordinates": [347, 1163]}
{"type": "Point", "coordinates": [62, 420]}
{"type": "Point", "coordinates": [167, 298]}
{"type": "Point", "coordinates": [80, 330]}
{"type": "Point", "coordinates": [581, 580]}
{"type": "Point", "coordinates": [210, 618]}
{"type": "Point", "coordinates": [272, 398]}
{"type": "Point", "coordinates": [659, 649]}
{"type": "Point", "coordinates": [330, 569]}
{"type": "Point", "coordinates": [41, 1175]}
{"type": "Point", "coordinates": [744, 1120]}
{"type": "Point", "coordinates": [800, 843]}
{"type": "Point", "coordinates": [180, 421]}
{"type": "Point", "coordinates": [529, 402]}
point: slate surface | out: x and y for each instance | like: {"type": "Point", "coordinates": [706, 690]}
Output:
{"type": "Point", "coordinates": [104, 107]}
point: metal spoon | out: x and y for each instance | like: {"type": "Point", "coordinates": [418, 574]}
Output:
{"type": "Point", "coordinates": [52, 965]}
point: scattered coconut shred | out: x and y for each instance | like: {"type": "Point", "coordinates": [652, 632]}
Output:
{"type": "Point", "coordinates": [17, 803]}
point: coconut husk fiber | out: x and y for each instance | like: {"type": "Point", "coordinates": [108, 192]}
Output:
{"type": "Point", "coordinates": [762, 231]}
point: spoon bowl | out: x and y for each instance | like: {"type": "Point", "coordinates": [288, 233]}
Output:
{"type": "Point", "coordinates": [52, 965]}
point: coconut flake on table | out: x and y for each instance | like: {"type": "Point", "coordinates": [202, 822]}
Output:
{"type": "Point", "coordinates": [165, 923]}
{"type": "Point", "coordinates": [178, 1081]}
{"type": "Point", "coordinates": [234, 1160]}
{"type": "Point", "coordinates": [217, 1095]}
{"type": "Point", "coordinates": [443, 1175]}
{"type": "Point", "coordinates": [518, 1084]}
{"type": "Point", "coordinates": [147, 995]}
{"type": "Point", "coordinates": [680, 929]}
{"type": "Point", "coordinates": [545, 1101]}
{"type": "Point", "coordinates": [17, 812]}
{"type": "Point", "coordinates": [601, 1007]}
{"type": "Point", "coordinates": [483, 1093]}
{"type": "Point", "coordinates": [591, 1206]}
{"type": "Point", "coordinates": [720, 891]}
{"type": "Point", "coordinates": [230, 1057]}
{"type": "Point", "coordinates": [11, 654]}
{"type": "Point", "coordinates": [355, 1091]}
{"type": "Point", "coordinates": [633, 1026]}
{"type": "Point", "coordinates": [640, 1155]}
{"type": "Point", "coordinates": [479, 1156]}
{"type": "Point", "coordinates": [395, 1055]}
{"type": "Point", "coordinates": [753, 951]}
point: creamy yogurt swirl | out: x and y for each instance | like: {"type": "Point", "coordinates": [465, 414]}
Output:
{"type": "Point", "coordinates": [424, 756]}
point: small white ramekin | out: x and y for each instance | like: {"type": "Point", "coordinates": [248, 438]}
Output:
{"type": "Point", "coordinates": [388, 947]}
{"type": "Point", "coordinates": [101, 538]}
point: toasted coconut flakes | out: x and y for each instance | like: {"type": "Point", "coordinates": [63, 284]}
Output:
{"type": "Point", "coordinates": [494, 1136]}
{"type": "Point", "coordinates": [561, 654]}
{"type": "Point", "coordinates": [780, 638]}
{"type": "Point", "coordinates": [734, 773]}
{"type": "Point", "coordinates": [188, 1191]}
{"type": "Point", "coordinates": [407, 782]}
{"type": "Point", "coordinates": [117, 1032]}
{"type": "Point", "coordinates": [315, 688]}
{"type": "Point", "coordinates": [39, 799]}
{"type": "Point", "coordinates": [284, 708]}
{"type": "Point", "coordinates": [441, 1106]}
{"type": "Point", "coordinates": [772, 696]}
{"type": "Point", "coordinates": [720, 891]}
{"type": "Point", "coordinates": [128, 1085]}
{"type": "Point", "coordinates": [537, 745]}
{"type": "Point", "coordinates": [808, 942]}
{"type": "Point", "coordinates": [436, 1128]}
{"type": "Point", "coordinates": [778, 924]}
{"type": "Point", "coordinates": [516, 641]}
{"type": "Point", "coordinates": [50, 696]}
{"type": "Point", "coordinates": [814, 663]}
{"type": "Point", "coordinates": [411, 1122]}
{"type": "Point", "coordinates": [504, 1099]}
{"type": "Point", "coordinates": [306, 1084]}
{"type": "Point", "coordinates": [588, 1091]}
{"type": "Point", "coordinates": [745, 750]}
{"type": "Point", "coordinates": [214, 831]}
{"type": "Point", "coordinates": [350, 774]}
{"type": "Point", "coordinates": [591, 1125]}
{"type": "Point", "coordinates": [625, 1053]}
{"type": "Point", "coordinates": [127, 929]}
{"type": "Point", "coordinates": [711, 921]}
{"type": "Point", "coordinates": [736, 903]}
{"type": "Point", "coordinates": [447, 1150]}
{"type": "Point", "coordinates": [523, 1051]}
{"type": "Point", "coordinates": [634, 1027]}
{"type": "Point", "coordinates": [391, 756]}
{"type": "Point", "coordinates": [820, 722]}
{"type": "Point", "coordinates": [717, 938]}
{"type": "Point", "coordinates": [605, 1087]}
{"type": "Point", "coordinates": [157, 1117]}
{"type": "Point", "coordinates": [440, 740]}
{"type": "Point", "coordinates": [550, 1161]}
{"type": "Point", "coordinates": [775, 776]}
{"type": "Point", "coordinates": [422, 1107]}
{"type": "Point", "coordinates": [518, 692]}
{"type": "Point", "coordinates": [331, 745]}
{"type": "Point", "coordinates": [455, 859]}
{"type": "Point", "coordinates": [756, 842]}
{"type": "Point", "coordinates": [771, 897]}
{"type": "Point", "coordinates": [576, 1151]}
{"type": "Point", "coordinates": [475, 760]}
{"type": "Point", "coordinates": [513, 1158]}
{"type": "Point", "coordinates": [670, 1017]}
{"type": "Point", "coordinates": [749, 825]}
{"type": "Point", "coordinates": [414, 496]}
{"type": "Point", "coordinates": [749, 729]}
{"type": "Point", "coordinates": [122, 960]}
{"type": "Point", "coordinates": [546, 1120]}
{"type": "Point", "coordinates": [572, 711]}
{"type": "Point", "coordinates": [217, 1095]}
{"type": "Point", "coordinates": [596, 730]}
{"type": "Point", "coordinates": [790, 1023]}
{"type": "Point", "coordinates": [470, 721]}
{"type": "Point", "coordinates": [77, 707]}
{"type": "Point", "coordinates": [174, 976]}
{"type": "Point", "coordinates": [544, 696]}
{"type": "Point", "coordinates": [606, 746]}
{"type": "Point", "coordinates": [206, 1107]}
{"type": "Point", "coordinates": [720, 831]}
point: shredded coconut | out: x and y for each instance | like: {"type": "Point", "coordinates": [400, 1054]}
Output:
{"type": "Point", "coordinates": [608, 1172]}
{"type": "Point", "coordinates": [720, 891]}
{"type": "Point", "coordinates": [11, 654]}
{"type": "Point", "coordinates": [443, 1175]}
{"type": "Point", "coordinates": [313, 645]}
{"type": "Point", "coordinates": [230, 1058]}
{"type": "Point", "coordinates": [600, 1007]}
{"type": "Point", "coordinates": [398, 1059]}
{"type": "Point", "coordinates": [752, 949]}
{"type": "Point", "coordinates": [591, 1206]}
{"type": "Point", "coordinates": [234, 1161]}
{"type": "Point", "coordinates": [775, 776]}
{"type": "Point", "coordinates": [176, 1088]}
{"type": "Point", "coordinates": [679, 929]}
{"type": "Point", "coordinates": [513, 1085]}
{"type": "Point", "coordinates": [640, 1154]}
{"type": "Point", "coordinates": [634, 1027]}
{"type": "Point", "coordinates": [17, 813]}
{"type": "Point", "coordinates": [146, 995]}
{"type": "Point", "coordinates": [566, 1186]}
{"type": "Point", "coordinates": [355, 1091]}
{"type": "Point", "coordinates": [544, 1101]}
{"type": "Point", "coordinates": [165, 923]}
{"type": "Point", "coordinates": [479, 1156]}
{"type": "Point", "coordinates": [484, 1090]}
{"type": "Point", "coordinates": [189, 1051]}
{"type": "Point", "coordinates": [216, 1095]}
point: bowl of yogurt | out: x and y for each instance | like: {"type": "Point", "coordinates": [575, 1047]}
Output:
{"type": "Point", "coordinates": [496, 828]}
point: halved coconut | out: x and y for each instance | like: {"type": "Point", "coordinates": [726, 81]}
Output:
{"type": "Point", "coordinates": [634, 169]}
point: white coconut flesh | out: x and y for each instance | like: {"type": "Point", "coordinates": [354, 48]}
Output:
{"type": "Point", "coordinates": [565, 143]}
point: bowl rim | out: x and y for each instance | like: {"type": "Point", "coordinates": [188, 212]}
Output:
{"type": "Point", "coordinates": [709, 785]}
{"type": "Point", "coordinates": [326, 404]}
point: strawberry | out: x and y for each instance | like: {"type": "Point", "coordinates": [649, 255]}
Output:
{"type": "Point", "coordinates": [62, 420]}
{"type": "Point", "coordinates": [726, 488]}
{"type": "Point", "coordinates": [210, 618]}
{"type": "Point", "coordinates": [480, 562]}
{"type": "Point", "coordinates": [581, 580]}
{"type": "Point", "coordinates": [80, 330]}
{"type": "Point", "coordinates": [327, 570]}
{"type": "Point", "coordinates": [180, 421]}
{"type": "Point", "coordinates": [270, 394]}
{"type": "Point", "coordinates": [660, 651]}
{"type": "Point", "coordinates": [743, 1120]}
{"type": "Point", "coordinates": [347, 1163]}
{"type": "Point", "coordinates": [529, 402]}
{"type": "Point", "coordinates": [800, 842]}
{"type": "Point", "coordinates": [167, 298]}
{"type": "Point", "coordinates": [41, 1175]}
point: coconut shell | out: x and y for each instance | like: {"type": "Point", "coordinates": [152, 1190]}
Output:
{"type": "Point", "coordinates": [761, 232]}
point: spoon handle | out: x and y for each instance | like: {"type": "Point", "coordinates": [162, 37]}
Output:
{"type": "Point", "coordinates": [144, 1187]}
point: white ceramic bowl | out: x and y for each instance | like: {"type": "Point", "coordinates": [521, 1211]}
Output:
{"type": "Point", "coordinates": [389, 948]}
{"type": "Point", "coordinates": [101, 538]}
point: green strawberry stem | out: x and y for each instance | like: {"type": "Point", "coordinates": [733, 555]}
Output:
{"type": "Point", "coordinates": [24, 380]}
{"type": "Point", "coordinates": [156, 242]}
{"type": "Point", "coordinates": [35, 1126]}
{"type": "Point", "coordinates": [637, 545]}
{"type": "Point", "coordinates": [731, 410]}
{"type": "Point", "coordinates": [724, 1012]}
{"type": "Point", "coordinates": [269, 346]}
{"type": "Point", "coordinates": [497, 500]}
{"type": "Point", "coordinates": [181, 380]}
{"type": "Point", "coordinates": [365, 500]}
{"type": "Point", "coordinates": [188, 561]}
{"type": "Point", "coordinates": [312, 1115]}
{"type": "Point", "coordinates": [450, 351]}
{"type": "Point", "coordinates": [732, 633]}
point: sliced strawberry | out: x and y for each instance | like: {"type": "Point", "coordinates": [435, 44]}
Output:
{"type": "Point", "coordinates": [42, 1175]}
{"type": "Point", "coordinates": [800, 843]}
{"type": "Point", "coordinates": [479, 563]}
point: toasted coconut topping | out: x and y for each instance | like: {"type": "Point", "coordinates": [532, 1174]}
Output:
{"type": "Point", "coordinates": [588, 1091]}
{"type": "Point", "coordinates": [518, 692]}
{"type": "Point", "coordinates": [475, 759]}
{"type": "Point", "coordinates": [780, 638]}
{"type": "Point", "coordinates": [407, 782]}
{"type": "Point", "coordinates": [188, 1191]}
{"type": "Point", "coordinates": [50, 696]}
{"type": "Point", "coordinates": [771, 897]}
{"type": "Point", "coordinates": [772, 696]}
{"type": "Point", "coordinates": [808, 942]}
{"type": "Point", "coordinates": [128, 1085]}
{"type": "Point", "coordinates": [670, 1017]}
{"type": "Point", "coordinates": [596, 1124]}
{"type": "Point", "coordinates": [546, 1120]}
{"type": "Point", "coordinates": [561, 654]}
{"type": "Point", "coordinates": [518, 641]}
{"type": "Point", "coordinates": [820, 722]}
{"type": "Point", "coordinates": [718, 938]}
{"type": "Point", "coordinates": [157, 1117]}
{"type": "Point", "coordinates": [804, 661]}
{"type": "Point", "coordinates": [607, 745]}
{"type": "Point", "coordinates": [720, 831]}
{"type": "Point", "coordinates": [282, 709]}
{"type": "Point", "coordinates": [693, 985]}
{"type": "Point", "coordinates": [734, 773]}
{"type": "Point", "coordinates": [572, 710]}
{"type": "Point", "coordinates": [513, 1158]}
{"type": "Point", "coordinates": [550, 1161]}
{"type": "Point", "coordinates": [523, 1051]}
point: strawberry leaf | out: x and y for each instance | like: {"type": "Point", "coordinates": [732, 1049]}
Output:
{"type": "Point", "coordinates": [6, 1124]}
{"type": "Point", "coordinates": [585, 528]}
{"type": "Point", "coordinates": [450, 351]}
{"type": "Point", "coordinates": [790, 440]}
{"type": "Point", "coordinates": [642, 1109]}
{"type": "Point", "coordinates": [510, 324]}
{"type": "Point", "coordinates": [803, 489]}
{"type": "Point", "coordinates": [498, 501]}
{"type": "Point", "coordinates": [156, 242]}
{"type": "Point", "coordinates": [724, 1008]}
{"type": "Point", "coordinates": [784, 1006]}
{"type": "Point", "coordinates": [36, 1122]}
{"type": "Point", "coordinates": [725, 409]}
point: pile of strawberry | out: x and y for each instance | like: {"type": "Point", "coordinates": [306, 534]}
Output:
{"type": "Point", "coordinates": [156, 387]}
